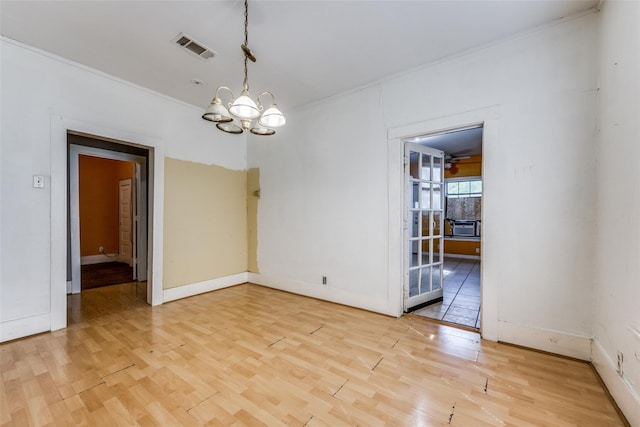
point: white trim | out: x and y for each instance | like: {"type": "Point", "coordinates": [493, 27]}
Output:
{"type": "Point", "coordinates": [463, 256]}
{"type": "Point", "coordinates": [396, 218]}
{"type": "Point", "coordinates": [489, 118]}
{"type": "Point", "coordinates": [58, 226]}
{"type": "Point", "coordinates": [156, 225]}
{"type": "Point", "coordinates": [554, 342]}
{"type": "Point", "coordinates": [627, 400]}
{"type": "Point", "coordinates": [74, 218]}
{"type": "Point", "coordinates": [97, 72]}
{"type": "Point", "coordinates": [461, 120]}
{"type": "Point", "coordinates": [456, 56]}
{"type": "Point", "coordinates": [326, 293]}
{"type": "Point", "coordinates": [99, 259]}
{"type": "Point", "coordinates": [192, 289]}
{"type": "Point", "coordinates": [464, 178]}
{"type": "Point", "coordinates": [18, 328]}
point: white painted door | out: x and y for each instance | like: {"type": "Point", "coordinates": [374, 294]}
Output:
{"type": "Point", "coordinates": [424, 225]}
{"type": "Point", "coordinates": [125, 241]}
{"type": "Point", "coordinates": [136, 218]}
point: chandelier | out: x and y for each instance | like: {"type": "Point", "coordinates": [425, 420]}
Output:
{"type": "Point", "coordinates": [244, 108]}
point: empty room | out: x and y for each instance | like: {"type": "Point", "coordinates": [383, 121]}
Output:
{"type": "Point", "coordinates": [320, 213]}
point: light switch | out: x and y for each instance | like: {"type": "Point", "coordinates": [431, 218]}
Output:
{"type": "Point", "coordinates": [38, 181]}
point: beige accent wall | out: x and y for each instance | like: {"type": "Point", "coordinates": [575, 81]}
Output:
{"type": "Point", "coordinates": [205, 222]}
{"type": "Point", "coordinates": [253, 186]}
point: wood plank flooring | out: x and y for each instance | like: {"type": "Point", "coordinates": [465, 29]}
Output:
{"type": "Point", "coordinates": [252, 356]}
{"type": "Point", "coordinates": [104, 274]}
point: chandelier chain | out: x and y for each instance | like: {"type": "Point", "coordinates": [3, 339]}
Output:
{"type": "Point", "coordinates": [246, 23]}
{"type": "Point", "coordinates": [245, 84]}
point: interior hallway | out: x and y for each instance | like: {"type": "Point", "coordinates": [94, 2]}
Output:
{"type": "Point", "coordinates": [249, 355]}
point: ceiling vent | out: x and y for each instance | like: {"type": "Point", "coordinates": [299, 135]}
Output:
{"type": "Point", "coordinates": [194, 46]}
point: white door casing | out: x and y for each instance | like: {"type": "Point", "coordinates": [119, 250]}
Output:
{"type": "Point", "coordinates": [489, 119]}
{"type": "Point", "coordinates": [62, 173]}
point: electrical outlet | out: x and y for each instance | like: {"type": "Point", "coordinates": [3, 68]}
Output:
{"type": "Point", "coordinates": [477, 250]}
{"type": "Point", "coordinates": [324, 280]}
{"type": "Point", "coordinates": [101, 249]}
{"type": "Point", "coordinates": [38, 181]}
{"type": "Point", "coordinates": [620, 363]}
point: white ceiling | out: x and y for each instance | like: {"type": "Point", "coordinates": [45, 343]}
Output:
{"type": "Point", "coordinates": [458, 143]}
{"type": "Point", "coordinates": [306, 50]}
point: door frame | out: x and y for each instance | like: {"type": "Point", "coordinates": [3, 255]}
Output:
{"type": "Point", "coordinates": [489, 119]}
{"type": "Point", "coordinates": [60, 126]}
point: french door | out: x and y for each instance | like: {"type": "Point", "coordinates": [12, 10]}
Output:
{"type": "Point", "coordinates": [424, 225]}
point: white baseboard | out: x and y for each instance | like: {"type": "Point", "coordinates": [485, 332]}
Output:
{"type": "Point", "coordinates": [18, 328]}
{"type": "Point", "coordinates": [192, 289]}
{"type": "Point", "coordinates": [627, 400]}
{"type": "Point", "coordinates": [462, 256]}
{"type": "Point", "coordinates": [555, 342]}
{"type": "Point", "coordinates": [98, 259]}
{"type": "Point", "coordinates": [326, 293]}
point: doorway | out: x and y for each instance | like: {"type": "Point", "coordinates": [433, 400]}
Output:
{"type": "Point", "coordinates": [460, 235]}
{"type": "Point", "coordinates": [106, 206]}
{"type": "Point", "coordinates": [128, 242]}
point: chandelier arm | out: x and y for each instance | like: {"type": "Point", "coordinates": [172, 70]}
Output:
{"type": "Point", "coordinates": [245, 83]}
{"type": "Point", "coordinates": [227, 89]}
{"type": "Point", "coordinates": [266, 92]}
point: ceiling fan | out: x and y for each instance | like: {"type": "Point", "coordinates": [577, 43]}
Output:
{"type": "Point", "coordinates": [450, 160]}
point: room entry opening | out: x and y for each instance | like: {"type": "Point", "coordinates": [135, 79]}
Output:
{"type": "Point", "coordinates": [136, 234]}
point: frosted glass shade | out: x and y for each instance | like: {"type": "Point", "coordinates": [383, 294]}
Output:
{"type": "Point", "coordinates": [244, 107]}
{"type": "Point", "coordinates": [262, 131]}
{"type": "Point", "coordinates": [272, 118]}
{"type": "Point", "coordinates": [216, 112]}
{"type": "Point", "coordinates": [229, 127]}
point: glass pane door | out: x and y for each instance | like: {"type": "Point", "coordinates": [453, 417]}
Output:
{"type": "Point", "coordinates": [424, 224]}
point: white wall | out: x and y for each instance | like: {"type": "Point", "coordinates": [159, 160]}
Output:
{"type": "Point", "coordinates": [41, 93]}
{"type": "Point", "coordinates": [324, 205]}
{"type": "Point", "coordinates": [617, 313]}
{"type": "Point", "coordinates": [538, 174]}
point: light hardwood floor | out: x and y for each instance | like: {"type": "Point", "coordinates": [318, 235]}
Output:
{"type": "Point", "coordinates": [250, 356]}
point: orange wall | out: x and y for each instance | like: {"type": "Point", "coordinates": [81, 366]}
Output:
{"type": "Point", "coordinates": [462, 247]}
{"type": "Point", "coordinates": [465, 167]}
{"type": "Point", "coordinates": [98, 199]}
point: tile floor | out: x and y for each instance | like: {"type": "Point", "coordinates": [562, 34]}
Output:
{"type": "Point", "coordinates": [461, 294]}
